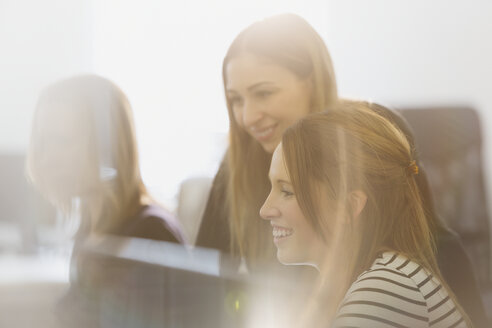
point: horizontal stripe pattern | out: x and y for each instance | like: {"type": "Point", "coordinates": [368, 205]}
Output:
{"type": "Point", "coordinates": [397, 292]}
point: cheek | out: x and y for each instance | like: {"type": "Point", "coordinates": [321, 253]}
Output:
{"type": "Point", "coordinates": [236, 116]}
{"type": "Point", "coordinates": [300, 223]}
{"type": "Point", "coordinates": [306, 234]}
{"type": "Point", "coordinates": [293, 108]}
{"type": "Point", "coordinates": [301, 105]}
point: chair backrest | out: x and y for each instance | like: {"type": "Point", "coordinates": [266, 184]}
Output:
{"type": "Point", "coordinates": [449, 143]}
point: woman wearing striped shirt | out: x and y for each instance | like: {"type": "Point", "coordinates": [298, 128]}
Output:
{"type": "Point", "coordinates": [344, 199]}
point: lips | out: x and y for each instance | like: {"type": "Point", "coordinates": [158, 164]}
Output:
{"type": "Point", "coordinates": [280, 233]}
{"type": "Point", "coordinates": [264, 134]}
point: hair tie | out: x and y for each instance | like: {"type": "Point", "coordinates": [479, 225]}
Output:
{"type": "Point", "coordinates": [413, 168]}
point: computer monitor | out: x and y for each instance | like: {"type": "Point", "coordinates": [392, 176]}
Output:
{"type": "Point", "coordinates": [133, 282]}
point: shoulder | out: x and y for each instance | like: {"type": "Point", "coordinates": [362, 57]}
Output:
{"type": "Point", "coordinates": [154, 222]}
{"type": "Point", "coordinates": [217, 194]}
{"type": "Point", "coordinates": [384, 295]}
{"type": "Point", "coordinates": [214, 225]}
{"type": "Point", "coordinates": [397, 291]}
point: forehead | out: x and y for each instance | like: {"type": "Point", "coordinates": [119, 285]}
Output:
{"type": "Point", "coordinates": [61, 120]}
{"type": "Point", "coordinates": [278, 171]}
{"type": "Point", "coordinates": [248, 69]}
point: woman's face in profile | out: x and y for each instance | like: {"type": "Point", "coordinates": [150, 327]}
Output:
{"type": "Point", "coordinates": [265, 98]}
{"type": "Point", "coordinates": [65, 158]}
{"type": "Point", "coordinates": [294, 237]}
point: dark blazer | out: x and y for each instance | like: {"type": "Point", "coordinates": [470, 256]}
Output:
{"type": "Point", "coordinates": [154, 222]}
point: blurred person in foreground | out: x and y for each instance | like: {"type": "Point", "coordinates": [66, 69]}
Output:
{"type": "Point", "coordinates": [83, 157]}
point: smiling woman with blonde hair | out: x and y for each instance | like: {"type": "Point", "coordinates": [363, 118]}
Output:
{"type": "Point", "coordinates": [275, 72]}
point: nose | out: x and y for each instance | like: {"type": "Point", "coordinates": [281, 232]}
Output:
{"type": "Point", "coordinates": [268, 211]}
{"type": "Point", "coordinates": [252, 114]}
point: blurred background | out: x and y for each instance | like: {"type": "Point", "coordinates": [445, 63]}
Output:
{"type": "Point", "coordinates": [167, 56]}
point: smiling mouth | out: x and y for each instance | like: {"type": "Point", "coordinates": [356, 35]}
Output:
{"type": "Point", "coordinates": [280, 233]}
{"type": "Point", "coordinates": [266, 134]}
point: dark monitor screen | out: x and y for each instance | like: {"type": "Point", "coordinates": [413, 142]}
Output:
{"type": "Point", "coordinates": [132, 282]}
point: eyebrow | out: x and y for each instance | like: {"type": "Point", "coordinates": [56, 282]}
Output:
{"type": "Point", "coordinates": [259, 84]}
{"type": "Point", "coordinates": [253, 86]}
{"type": "Point", "coordinates": [280, 181]}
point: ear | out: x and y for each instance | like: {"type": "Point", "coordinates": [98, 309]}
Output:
{"type": "Point", "coordinates": [357, 201]}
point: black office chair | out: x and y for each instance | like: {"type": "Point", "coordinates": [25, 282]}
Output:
{"type": "Point", "coordinates": [449, 144]}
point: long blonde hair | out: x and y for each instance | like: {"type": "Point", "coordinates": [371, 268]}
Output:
{"type": "Point", "coordinates": [104, 115]}
{"type": "Point", "coordinates": [289, 41]}
{"type": "Point", "coordinates": [351, 147]}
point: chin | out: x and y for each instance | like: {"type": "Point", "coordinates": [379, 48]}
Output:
{"type": "Point", "coordinates": [289, 259]}
{"type": "Point", "coordinates": [270, 147]}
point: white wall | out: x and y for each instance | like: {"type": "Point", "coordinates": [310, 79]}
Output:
{"type": "Point", "coordinates": [419, 52]}
{"type": "Point", "coordinates": [40, 42]}
{"type": "Point", "coordinates": [167, 58]}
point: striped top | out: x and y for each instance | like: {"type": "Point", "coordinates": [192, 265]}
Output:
{"type": "Point", "coordinates": [397, 292]}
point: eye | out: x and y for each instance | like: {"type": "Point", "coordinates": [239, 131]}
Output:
{"type": "Point", "coordinates": [235, 100]}
{"type": "Point", "coordinates": [286, 193]}
{"type": "Point", "coordinates": [263, 94]}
